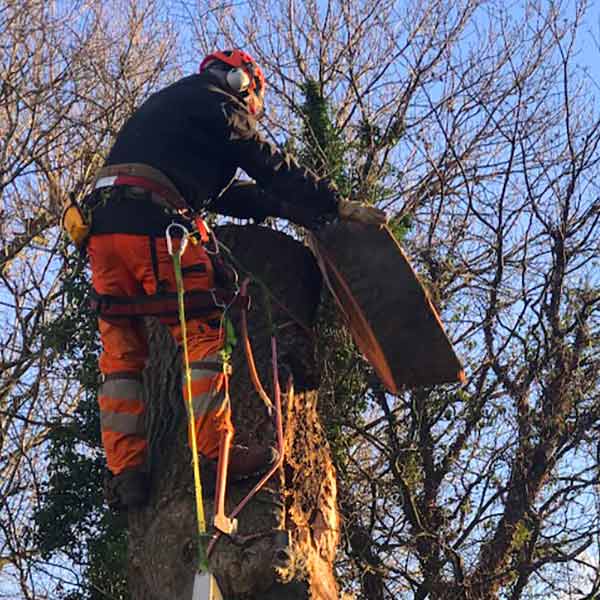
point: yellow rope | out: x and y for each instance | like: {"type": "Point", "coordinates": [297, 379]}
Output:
{"type": "Point", "coordinates": [200, 517]}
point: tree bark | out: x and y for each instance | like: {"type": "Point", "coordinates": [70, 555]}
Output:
{"type": "Point", "coordinates": [288, 535]}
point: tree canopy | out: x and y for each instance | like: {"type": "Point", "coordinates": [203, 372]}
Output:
{"type": "Point", "coordinates": [475, 125]}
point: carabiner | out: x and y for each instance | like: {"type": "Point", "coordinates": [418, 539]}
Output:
{"type": "Point", "coordinates": [222, 305]}
{"type": "Point", "coordinates": [215, 242]}
{"type": "Point", "coordinates": [184, 239]}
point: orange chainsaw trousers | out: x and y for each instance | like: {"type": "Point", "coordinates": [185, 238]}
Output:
{"type": "Point", "coordinates": [134, 265]}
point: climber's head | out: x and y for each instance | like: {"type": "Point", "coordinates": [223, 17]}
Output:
{"type": "Point", "coordinates": [239, 72]}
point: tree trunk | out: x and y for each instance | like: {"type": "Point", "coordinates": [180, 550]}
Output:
{"type": "Point", "coordinates": [288, 535]}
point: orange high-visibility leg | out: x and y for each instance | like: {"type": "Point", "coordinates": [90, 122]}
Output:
{"type": "Point", "coordinates": [116, 261]}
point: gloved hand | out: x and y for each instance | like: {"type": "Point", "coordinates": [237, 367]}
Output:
{"type": "Point", "coordinates": [349, 210]}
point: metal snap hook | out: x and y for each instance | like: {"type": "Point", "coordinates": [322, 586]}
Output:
{"type": "Point", "coordinates": [219, 304]}
{"type": "Point", "coordinates": [184, 239]}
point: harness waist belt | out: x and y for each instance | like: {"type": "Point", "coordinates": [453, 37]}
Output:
{"type": "Point", "coordinates": [144, 176]}
{"type": "Point", "coordinates": [197, 303]}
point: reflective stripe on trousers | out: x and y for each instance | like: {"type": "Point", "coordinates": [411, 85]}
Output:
{"type": "Point", "coordinates": [208, 394]}
{"type": "Point", "coordinates": [212, 412]}
{"type": "Point", "coordinates": [121, 401]}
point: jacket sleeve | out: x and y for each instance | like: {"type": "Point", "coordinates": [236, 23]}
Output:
{"type": "Point", "coordinates": [245, 200]}
{"type": "Point", "coordinates": [290, 191]}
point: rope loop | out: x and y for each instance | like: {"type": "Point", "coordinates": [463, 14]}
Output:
{"type": "Point", "coordinates": [184, 239]}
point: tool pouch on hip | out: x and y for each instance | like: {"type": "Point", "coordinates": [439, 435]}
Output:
{"type": "Point", "coordinates": [75, 223]}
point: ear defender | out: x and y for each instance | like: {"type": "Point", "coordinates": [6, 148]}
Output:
{"type": "Point", "coordinates": [238, 80]}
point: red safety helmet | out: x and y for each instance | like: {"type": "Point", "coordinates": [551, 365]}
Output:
{"type": "Point", "coordinates": [245, 77]}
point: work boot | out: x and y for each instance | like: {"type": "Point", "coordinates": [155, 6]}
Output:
{"type": "Point", "coordinates": [128, 489]}
{"type": "Point", "coordinates": [244, 463]}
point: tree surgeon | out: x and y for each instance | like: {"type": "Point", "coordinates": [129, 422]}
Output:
{"type": "Point", "coordinates": [179, 153]}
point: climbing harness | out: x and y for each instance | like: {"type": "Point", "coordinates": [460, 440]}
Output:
{"type": "Point", "coordinates": [163, 191]}
{"type": "Point", "coordinates": [165, 305]}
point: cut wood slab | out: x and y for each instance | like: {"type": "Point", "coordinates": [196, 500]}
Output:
{"type": "Point", "coordinates": [385, 306]}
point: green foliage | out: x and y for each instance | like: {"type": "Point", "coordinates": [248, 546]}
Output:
{"type": "Point", "coordinates": [323, 149]}
{"type": "Point", "coordinates": [72, 517]}
{"type": "Point", "coordinates": [72, 335]}
{"type": "Point", "coordinates": [347, 377]}
{"type": "Point", "coordinates": [522, 534]}
{"type": "Point", "coordinates": [351, 165]}
{"type": "Point", "coordinates": [342, 394]}
{"type": "Point", "coordinates": [400, 227]}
